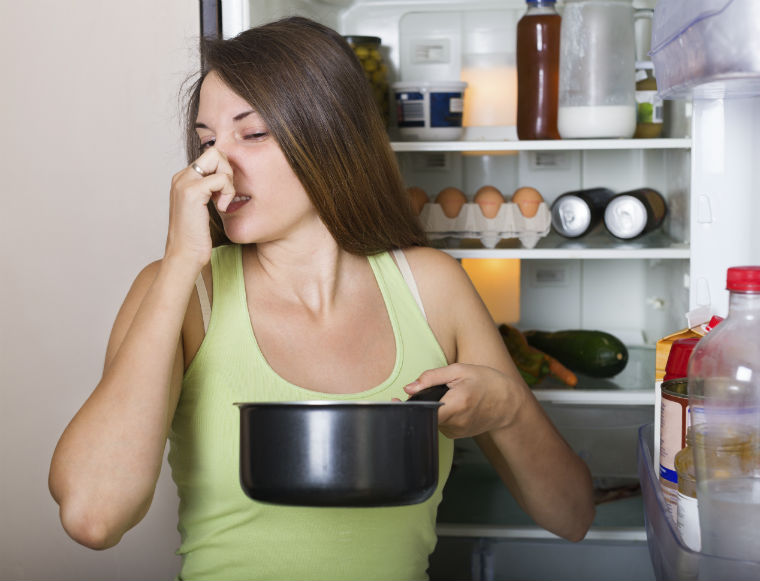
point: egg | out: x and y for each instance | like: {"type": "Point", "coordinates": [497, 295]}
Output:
{"type": "Point", "coordinates": [451, 200]}
{"type": "Point", "coordinates": [527, 199]}
{"type": "Point", "coordinates": [490, 200]}
{"type": "Point", "coordinates": [418, 198]}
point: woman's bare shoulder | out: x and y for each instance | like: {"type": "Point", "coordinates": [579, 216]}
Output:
{"type": "Point", "coordinates": [433, 266]}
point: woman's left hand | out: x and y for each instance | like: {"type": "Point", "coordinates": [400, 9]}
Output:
{"type": "Point", "coordinates": [480, 398]}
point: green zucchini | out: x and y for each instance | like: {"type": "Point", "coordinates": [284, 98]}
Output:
{"type": "Point", "coordinates": [593, 353]}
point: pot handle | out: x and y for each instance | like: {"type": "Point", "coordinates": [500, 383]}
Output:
{"type": "Point", "coordinates": [434, 393]}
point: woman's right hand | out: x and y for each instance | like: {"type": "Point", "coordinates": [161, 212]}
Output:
{"type": "Point", "coordinates": [189, 237]}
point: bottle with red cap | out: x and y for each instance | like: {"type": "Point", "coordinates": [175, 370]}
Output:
{"type": "Point", "coordinates": [724, 380]}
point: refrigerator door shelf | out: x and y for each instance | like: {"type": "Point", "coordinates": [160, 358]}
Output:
{"type": "Point", "coordinates": [706, 48]}
{"type": "Point", "coordinates": [671, 558]}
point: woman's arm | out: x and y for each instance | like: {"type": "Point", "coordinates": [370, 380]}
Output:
{"type": "Point", "coordinates": [105, 467]}
{"type": "Point", "coordinates": [104, 470]}
{"type": "Point", "coordinates": [489, 401]}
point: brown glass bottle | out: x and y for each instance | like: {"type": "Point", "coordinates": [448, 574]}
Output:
{"type": "Point", "coordinates": [538, 33]}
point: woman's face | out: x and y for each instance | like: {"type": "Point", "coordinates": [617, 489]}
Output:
{"type": "Point", "coordinates": [270, 203]}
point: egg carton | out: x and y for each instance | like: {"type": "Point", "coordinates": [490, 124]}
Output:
{"type": "Point", "coordinates": [471, 223]}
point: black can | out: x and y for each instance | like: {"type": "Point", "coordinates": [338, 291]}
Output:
{"type": "Point", "coordinates": [632, 214]}
{"type": "Point", "coordinates": [576, 213]}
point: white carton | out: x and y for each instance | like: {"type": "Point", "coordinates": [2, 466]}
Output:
{"type": "Point", "coordinates": [471, 223]}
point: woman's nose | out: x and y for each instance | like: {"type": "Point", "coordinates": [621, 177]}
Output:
{"type": "Point", "coordinates": [228, 150]}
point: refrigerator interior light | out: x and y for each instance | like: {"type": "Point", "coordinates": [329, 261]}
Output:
{"type": "Point", "coordinates": [498, 283]}
{"type": "Point", "coordinates": [491, 95]}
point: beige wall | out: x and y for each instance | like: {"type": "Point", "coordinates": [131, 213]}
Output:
{"type": "Point", "coordinates": [89, 140]}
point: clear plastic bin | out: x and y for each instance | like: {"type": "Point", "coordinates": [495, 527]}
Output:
{"type": "Point", "coordinates": [671, 558]}
{"type": "Point", "coordinates": [706, 48]}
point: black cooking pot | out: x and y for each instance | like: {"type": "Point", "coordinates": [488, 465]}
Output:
{"type": "Point", "coordinates": [335, 453]}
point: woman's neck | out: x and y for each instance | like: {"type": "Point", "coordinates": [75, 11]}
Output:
{"type": "Point", "coordinates": [310, 275]}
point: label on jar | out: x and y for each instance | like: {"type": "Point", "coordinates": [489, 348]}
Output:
{"type": "Point", "coordinates": [649, 107]}
{"type": "Point", "coordinates": [674, 419]}
{"type": "Point", "coordinates": [410, 109]}
{"type": "Point", "coordinates": [446, 109]}
{"type": "Point", "coordinates": [670, 495]}
{"type": "Point", "coordinates": [688, 521]}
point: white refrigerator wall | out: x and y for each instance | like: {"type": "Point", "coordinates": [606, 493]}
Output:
{"type": "Point", "coordinates": [725, 195]}
{"type": "Point", "coordinates": [90, 139]}
{"type": "Point", "coordinates": [640, 300]}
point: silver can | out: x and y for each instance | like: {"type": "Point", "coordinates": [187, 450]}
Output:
{"type": "Point", "coordinates": [576, 213]}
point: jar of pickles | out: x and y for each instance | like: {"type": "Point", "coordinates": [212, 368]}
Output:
{"type": "Point", "coordinates": [367, 50]}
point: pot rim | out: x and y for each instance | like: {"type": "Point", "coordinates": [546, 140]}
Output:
{"type": "Point", "coordinates": [335, 403]}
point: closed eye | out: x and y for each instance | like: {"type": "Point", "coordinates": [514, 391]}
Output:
{"type": "Point", "coordinates": [258, 135]}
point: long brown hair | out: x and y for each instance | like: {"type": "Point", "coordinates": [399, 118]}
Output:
{"type": "Point", "coordinates": [308, 86]}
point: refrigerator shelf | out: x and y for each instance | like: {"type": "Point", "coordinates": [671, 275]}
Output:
{"type": "Point", "coordinates": [477, 504]}
{"type": "Point", "coordinates": [627, 534]}
{"type": "Point", "coordinates": [600, 245]}
{"type": "Point", "coordinates": [548, 145]}
{"type": "Point", "coordinates": [583, 397]}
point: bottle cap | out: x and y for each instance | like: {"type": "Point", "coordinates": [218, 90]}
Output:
{"type": "Point", "coordinates": [743, 278]}
{"type": "Point", "coordinates": [713, 323]}
{"type": "Point", "coordinates": [678, 358]}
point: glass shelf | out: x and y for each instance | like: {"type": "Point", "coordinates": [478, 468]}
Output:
{"type": "Point", "coordinates": [599, 245]}
{"type": "Point", "coordinates": [554, 145]}
{"type": "Point", "coordinates": [477, 504]}
{"type": "Point", "coordinates": [634, 386]}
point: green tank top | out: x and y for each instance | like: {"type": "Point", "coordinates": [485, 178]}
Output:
{"type": "Point", "coordinates": [225, 534]}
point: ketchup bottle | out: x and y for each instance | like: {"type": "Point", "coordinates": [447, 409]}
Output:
{"type": "Point", "coordinates": [538, 33]}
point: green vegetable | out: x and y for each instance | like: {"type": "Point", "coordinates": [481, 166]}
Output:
{"type": "Point", "coordinates": [593, 353]}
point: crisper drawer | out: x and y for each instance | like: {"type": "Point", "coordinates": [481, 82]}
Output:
{"type": "Point", "coordinates": [605, 436]}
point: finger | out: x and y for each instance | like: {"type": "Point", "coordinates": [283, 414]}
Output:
{"type": "Point", "coordinates": [438, 376]}
{"type": "Point", "coordinates": [220, 188]}
{"type": "Point", "coordinates": [445, 412]}
{"type": "Point", "coordinates": [213, 161]}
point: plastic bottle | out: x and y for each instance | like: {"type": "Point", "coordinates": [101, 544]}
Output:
{"type": "Point", "coordinates": [724, 378]}
{"type": "Point", "coordinates": [538, 34]}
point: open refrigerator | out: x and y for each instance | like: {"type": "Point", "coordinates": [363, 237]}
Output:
{"type": "Point", "coordinates": [705, 165]}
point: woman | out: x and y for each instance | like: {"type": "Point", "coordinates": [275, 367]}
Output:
{"type": "Point", "coordinates": [284, 222]}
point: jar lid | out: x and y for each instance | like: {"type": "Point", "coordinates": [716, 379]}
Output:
{"type": "Point", "coordinates": [743, 278]}
{"type": "Point", "coordinates": [678, 358]}
{"type": "Point", "coordinates": [354, 39]}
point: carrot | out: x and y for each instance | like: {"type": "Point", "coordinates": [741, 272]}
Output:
{"type": "Point", "coordinates": [561, 372]}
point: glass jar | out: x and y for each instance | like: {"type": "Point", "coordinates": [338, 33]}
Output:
{"type": "Point", "coordinates": [367, 50]}
{"type": "Point", "coordinates": [597, 70]}
{"type": "Point", "coordinates": [649, 106]}
{"type": "Point", "coordinates": [687, 520]}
